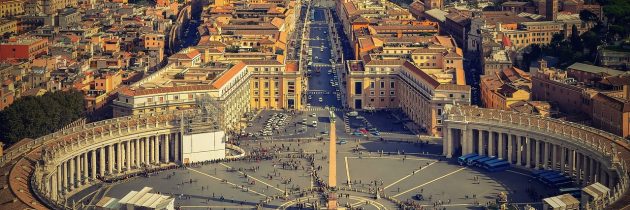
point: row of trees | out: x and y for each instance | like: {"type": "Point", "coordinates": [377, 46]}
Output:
{"type": "Point", "coordinates": [35, 116]}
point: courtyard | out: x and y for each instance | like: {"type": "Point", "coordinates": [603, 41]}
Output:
{"type": "Point", "coordinates": [401, 170]}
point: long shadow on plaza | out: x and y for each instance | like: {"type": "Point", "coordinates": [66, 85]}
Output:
{"type": "Point", "coordinates": [218, 199]}
{"type": "Point", "coordinates": [396, 147]}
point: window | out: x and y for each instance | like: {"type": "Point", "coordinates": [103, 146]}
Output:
{"type": "Point", "coordinates": [382, 93]}
{"type": "Point", "coordinates": [358, 88]}
{"type": "Point", "coordinates": [255, 85]}
{"type": "Point", "coordinates": [190, 96]}
{"type": "Point", "coordinates": [450, 95]}
{"type": "Point", "coordinates": [372, 93]}
{"type": "Point", "coordinates": [371, 85]}
{"type": "Point", "coordinates": [266, 84]}
{"type": "Point", "coordinates": [382, 84]}
{"type": "Point", "coordinates": [382, 99]}
{"type": "Point", "coordinates": [276, 84]}
{"type": "Point", "coordinates": [439, 111]}
{"type": "Point", "coordinates": [391, 84]}
{"type": "Point", "coordinates": [149, 100]}
{"type": "Point", "coordinates": [266, 93]}
{"type": "Point", "coordinates": [391, 93]}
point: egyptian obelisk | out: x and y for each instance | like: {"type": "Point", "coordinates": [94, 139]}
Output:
{"type": "Point", "coordinates": [332, 163]}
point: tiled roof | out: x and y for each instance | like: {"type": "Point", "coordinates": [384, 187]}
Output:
{"type": "Point", "coordinates": [415, 70]}
{"type": "Point", "coordinates": [227, 75]}
{"type": "Point", "coordinates": [140, 92]}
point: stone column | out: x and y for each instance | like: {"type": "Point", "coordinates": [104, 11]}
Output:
{"type": "Point", "coordinates": [60, 179]}
{"type": "Point", "coordinates": [176, 147]}
{"type": "Point", "coordinates": [101, 165]}
{"type": "Point", "coordinates": [85, 168]}
{"type": "Point", "coordinates": [571, 156]}
{"type": "Point", "coordinates": [591, 170]}
{"type": "Point", "coordinates": [545, 162]}
{"type": "Point", "coordinates": [78, 162]}
{"type": "Point", "coordinates": [128, 155]}
{"type": "Point", "coordinates": [519, 151]}
{"type": "Point", "coordinates": [446, 141]}
{"type": "Point", "coordinates": [118, 158]}
{"type": "Point", "coordinates": [136, 152]}
{"type": "Point", "coordinates": [167, 153]}
{"type": "Point", "coordinates": [563, 156]}
{"type": "Point", "coordinates": [147, 150]}
{"type": "Point", "coordinates": [528, 152]}
{"type": "Point", "coordinates": [71, 162]}
{"type": "Point", "coordinates": [510, 153]}
{"type": "Point", "coordinates": [53, 186]}
{"type": "Point", "coordinates": [554, 156]}
{"type": "Point", "coordinates": [93, 167]}
{"type": "Point", "coordinates": [583, 169]}
{"type": "Point", "coordinates": [480, 146]}
{"type": "Point", "coordinates": [537, 155]}
{"type": "Point", "coordinates": [141, 151]}
{"type": "Point", "coordinates": [156, 150]}
{"type": "Point", "coordinates": [110, 166]}
{"type": "Point", "coordinates": [501, 148]}
{"type": "Point", "coordinates": [491, 140]}
{"type": "Point", "coordinates": [65, 184]}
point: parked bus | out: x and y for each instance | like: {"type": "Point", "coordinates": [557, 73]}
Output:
{"type": "Point", "coordinates": [487, 163]}
{"type": "Point", "coordinates": [471, 161]}
{"type": "Point", "coordinates": [462, 159]}
{"type": "Point", "coordinates": [499, 166]}
{"type": "Point", "coordinates": [482, 160]}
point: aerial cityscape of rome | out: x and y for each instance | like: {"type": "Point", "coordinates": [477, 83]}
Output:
{"type": "Point", "coordinates": [315, 104]}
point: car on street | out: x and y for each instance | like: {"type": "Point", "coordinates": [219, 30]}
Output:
{"type": "Point", "coordinates": [309, 97]}
{"type": "Point", "coordinates": [352, 114]}
{"type": "Point", "coordinates": [357, 133]}
{"type": "Point", "coordinates": [314, 123]}
{"type": "Point", "coordinates": [320, 99]}
{"type": "Point", "coordinates": [418, 197]}
{"type": "Point", "coordinates": [342, 142]}
{"type": "Point", "coordinates": [376, 133]}
{"type": "Point", "coordinates": [313, 115]}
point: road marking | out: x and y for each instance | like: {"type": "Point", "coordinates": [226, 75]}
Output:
{"type": "Point", "coordinates": [348, 172]}
{"type": "Point", "coordinates": [373, 203]}
{"type": "Point", "coordinates": [229, 167]}
{"type": "Point", "coordinates": [414, 172]}
{"type": "Point", "coordinates": [429, 182]}
{"type": "Point", "coordinates": [230, 183]}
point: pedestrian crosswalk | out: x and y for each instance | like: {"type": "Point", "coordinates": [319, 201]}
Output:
{"type": "Point", "coordinates": [312, 109]}
{"type": "Point", "coordinates": [318, 92]}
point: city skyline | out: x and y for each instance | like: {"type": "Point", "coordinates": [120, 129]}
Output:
{"type": "Point", "coordinates": [424, 104]}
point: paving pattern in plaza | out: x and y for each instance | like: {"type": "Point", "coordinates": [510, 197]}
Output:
{"type": "Point", "coordinates": [401, 176]}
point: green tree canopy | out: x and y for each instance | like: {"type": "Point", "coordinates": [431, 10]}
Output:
{"type": "Point", "coordinates": [35, 116]}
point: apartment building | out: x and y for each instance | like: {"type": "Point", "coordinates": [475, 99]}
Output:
{"type": "Point", "coordinates": [599, 94]}
{"type": "Point", "coordinates": [8, 26]}
{"type": "Point", "coordinates": [23, 48]}
{"type": "Point", "coordinates": [11, 8]}
{"type": "Point", "coordinates": [386, 84]}
{"type": "Point", "coordinates": [501, 89]}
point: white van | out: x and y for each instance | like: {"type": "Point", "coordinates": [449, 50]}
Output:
{"type": "Point", "coordinates": [352, 114]}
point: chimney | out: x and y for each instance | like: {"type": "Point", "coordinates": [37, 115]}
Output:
{"type": "Point", "coordinates": [626, 91]}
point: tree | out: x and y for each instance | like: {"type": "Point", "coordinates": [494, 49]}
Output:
{"type": "Point", "coordinates": [576, 41]}
{"type": "Point", "coordinates": [35, 116]}
{"type": "Point", "coordinates": [588, 16]}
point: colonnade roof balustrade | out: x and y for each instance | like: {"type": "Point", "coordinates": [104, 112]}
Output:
{"type": "Point", "coordinates": [20, 165]}
{"type": "Point", "coordinates": [614, 148]}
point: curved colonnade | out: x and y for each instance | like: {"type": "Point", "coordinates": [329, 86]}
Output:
{"type": "Point", "coordinates": [587, 154]}
{"type": "Point", "coordinates": [59, 164]}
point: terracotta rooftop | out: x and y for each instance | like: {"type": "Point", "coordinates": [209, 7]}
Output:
{"type": "Point", "coordinates": [227, 75]}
